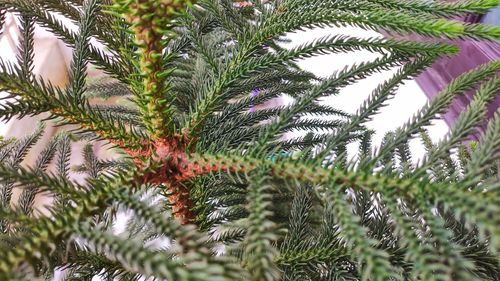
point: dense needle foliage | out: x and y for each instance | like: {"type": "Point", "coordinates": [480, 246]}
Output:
{"type": "Point", "coordinates": [218, 189]}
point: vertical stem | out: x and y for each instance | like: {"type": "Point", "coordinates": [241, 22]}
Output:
{"type": "Point", "coordinates": [150, 20]}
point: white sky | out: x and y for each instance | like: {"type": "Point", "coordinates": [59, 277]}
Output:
{"type": "Point", "coordinates": [408, 100]}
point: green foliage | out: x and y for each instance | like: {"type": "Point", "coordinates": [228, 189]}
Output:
{"type": "Point", "coordinates": [207, 185]}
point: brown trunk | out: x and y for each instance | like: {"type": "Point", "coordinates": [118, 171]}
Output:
{"type": "Point", "coordinates": [174, 171]}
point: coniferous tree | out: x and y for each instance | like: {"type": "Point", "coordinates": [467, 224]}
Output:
{"type": "Point", "coordinates": [214, 188]}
